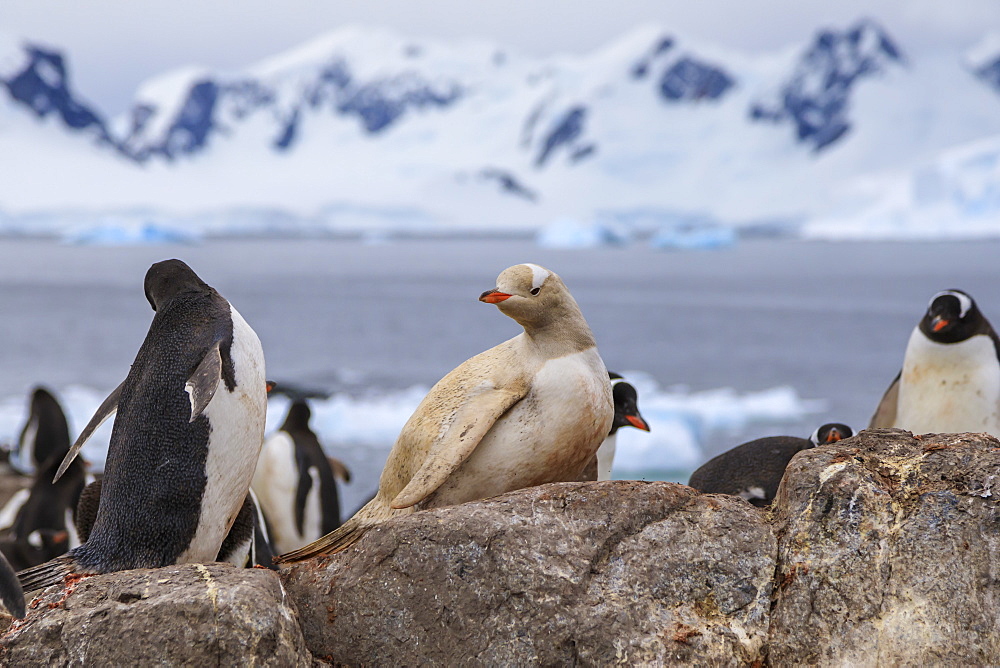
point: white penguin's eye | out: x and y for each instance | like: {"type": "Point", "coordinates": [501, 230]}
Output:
{"type": "Point", "coordinates": [535, 291]}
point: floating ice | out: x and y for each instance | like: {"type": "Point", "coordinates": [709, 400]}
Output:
{"type": "Point", "coordinates": [113, 234]}
{"type": "Point", "coordinates": [678, 419]}
{"type": "Point", "coordinates": [572, 233]}
{"type": "Point", "coordinates": [690, 236]}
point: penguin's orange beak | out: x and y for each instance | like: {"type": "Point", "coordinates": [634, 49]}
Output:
{"type": "Point", "coordinates": [637, 422]}
{"type": "Point", "coordinates": [833, 436]}
{"type": "Point", "coordinates": [939, 324]}
{"type": "Point", "coordinates": [493, 296]}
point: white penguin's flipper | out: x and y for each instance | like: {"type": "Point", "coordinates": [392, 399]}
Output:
{"type": "Point", "coordinates": [204, 381]}
{"type": "Point", "coordinates": [103, 412]}
{"type": "Point", "coordinates": [885, 414]}
{"type": "Point", "coordinates": [472, 420]}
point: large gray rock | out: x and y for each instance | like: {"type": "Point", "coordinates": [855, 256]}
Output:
{"type": "Point", "coordinates": [576, 572]}
{"type": "Point", "coordinates": [190, 615]}
{"type": "Point", "coordinates": [889, 552]}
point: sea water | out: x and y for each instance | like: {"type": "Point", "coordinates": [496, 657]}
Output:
{"type": "Point", "coordinates": [759, 338]}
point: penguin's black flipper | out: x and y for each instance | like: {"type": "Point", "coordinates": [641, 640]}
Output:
{"type": "Point", "coordinates": [302, 489]}
{"type": "Point", "coordinates": [11, 592]}
{"type": "Point", "coordinates": [339, 469]}
{"type": "Point", "coordinates": [203, 382]}
{"type": "Point", "coordinates": [104, 411]}
{"type": "Point", "coordinates": [47, 574]}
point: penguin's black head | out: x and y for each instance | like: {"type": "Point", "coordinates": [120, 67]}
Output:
{"type": "Point", "coordinates": [952, 316]}
{"type": "Point", "coordinates": [41, 397]}
{"type": "Point", "coordinates": [626, 405]}
{"type": "Point", "coordinates": [165, 280]}
{"type": "Point", "coordinates": [298, 416]}
{"type": "Point", "coordinates": [831, 433]}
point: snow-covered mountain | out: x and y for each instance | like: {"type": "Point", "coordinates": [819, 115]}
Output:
{"type": "Point", "coordinates": [364, 128]}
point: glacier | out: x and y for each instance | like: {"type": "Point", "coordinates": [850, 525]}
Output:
{"type": "Point", "coordinates": [367, 131]}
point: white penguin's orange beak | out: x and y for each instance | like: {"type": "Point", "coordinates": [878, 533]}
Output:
{"type": "Point", "coordinates": [493, 296]}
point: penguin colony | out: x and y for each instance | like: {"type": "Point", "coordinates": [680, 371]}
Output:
{"type": "Point", "coordinates": [189, 476]}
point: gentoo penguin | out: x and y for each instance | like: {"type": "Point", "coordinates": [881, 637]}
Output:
{"type": "Point", "coordinates": [42, 526]}
{"type": "Point", "coordinates": [246, 544]}
{"type": "Point", "coordinates": [950, 381]}
{"type": "Point", "coordinates": [44, 434]}
{"type": "Point", "coordinates": [185, 441]}
{"type": "Point", "coordinates": [529, 411]}
{"type": "Point", "coordinates": [295, 483]}
{"type": "Point", "coordinates": [626, 415]}
{"type": "Point", "coordinates": [753, 470]}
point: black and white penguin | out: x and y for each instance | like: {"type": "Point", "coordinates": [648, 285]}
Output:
{"type": "Point", "coordinates": [188, 431]}
{"type": "Point", "coordinates": [950, 381]}
{"type": "Point", "coordinates": [45, 433]}
{"type": "Point", "coordinates": [754, 469]}
{"type": "Point", "coordinates": [41, 526]}
{"type": "Point", "coordinates": [626, 415]}
{"type": "Point", "coordinates": [295, 483]}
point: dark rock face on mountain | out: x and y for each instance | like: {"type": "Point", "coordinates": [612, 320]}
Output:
{"type": "Point", "coordinates": [43, 86]}
{"type": "Point", "coordinates": [881, 549]}
{"type": "Point", "coordinates": [889, 552]}
{"type": "Point", "coordinates": [989, 72]}
{"type": "Point", "coordinates": [816, 99]}
{"type": "Point", "coordinates": [688, 79]}
{"type": "Point", "coordinates": [559, 574]}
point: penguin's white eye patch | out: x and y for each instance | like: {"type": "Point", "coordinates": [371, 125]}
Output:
{"type": "Point", "coordinates": [964, 302]}
{"type": "Point", "coordinates": [538, 275]}
{"type": "Point", "coordinates": [535, 291]}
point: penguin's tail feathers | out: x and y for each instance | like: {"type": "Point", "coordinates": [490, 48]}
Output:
{"type": "Point", "coordinates": [11, 593]}
{"type": "Point", "coordinates": [374, 513]}
{"type": "Point", "coordinates": [45, 575]}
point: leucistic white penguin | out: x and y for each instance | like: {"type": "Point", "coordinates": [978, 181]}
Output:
{"type": "Point", "coordinates": [529, 411]}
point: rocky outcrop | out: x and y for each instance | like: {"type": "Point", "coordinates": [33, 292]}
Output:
{"type": "Point", "coordinates": [889, 552]}
{"type": "Point", "coordinates": [882, 549]}
{"type": "Point", "coordinates": [596, 573]}
{"type": "Point", "coordinates": [198, 615]}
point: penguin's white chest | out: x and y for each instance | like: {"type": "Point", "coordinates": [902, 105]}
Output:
{"type": "Point", "coordinates": [606, 456]}
{"type": "Point", "coordinates": [549, 436]}
{"type": "Point", "coordinates": [276, 483]}
{"type": "Point", "coordinates": [236, 435]}
{"type": "Point", "coordinates": [949, 387]}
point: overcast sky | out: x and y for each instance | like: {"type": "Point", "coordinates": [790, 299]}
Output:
{"type": "Point", "coordinates": [115, 44]}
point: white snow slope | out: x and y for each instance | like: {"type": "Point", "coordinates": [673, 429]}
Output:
{"type": "Point", "coordinates": [365, 129]}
